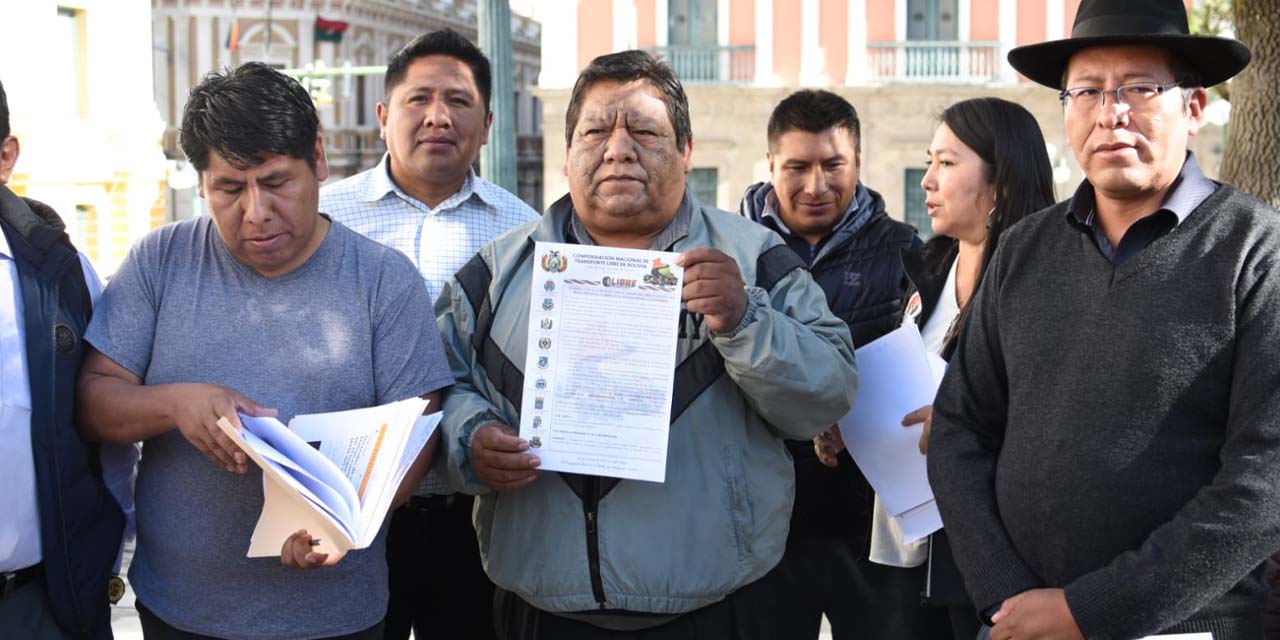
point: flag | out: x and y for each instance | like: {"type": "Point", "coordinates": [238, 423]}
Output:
{"type": "Point", "coordinates": [233, 36]}
{"type": "Point", "coordinates": [330, 30]}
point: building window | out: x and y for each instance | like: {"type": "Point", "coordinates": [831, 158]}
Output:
{"type": "Point", "coordinates": [915, 213]}
{"type": "Point", "coordinates": [85, 232]}
{"type": "Point", "coordinates": [932, 20]}
{"type": "Point", "coordinates": [703, 182]}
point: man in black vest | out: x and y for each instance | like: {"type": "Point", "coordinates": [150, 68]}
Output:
{"type": "Point", "coordinates": [61, 529]}
{"type": "Point", "coordinates": [1105, 441]}
{"type": "Point", "coordinates": [839, 228]}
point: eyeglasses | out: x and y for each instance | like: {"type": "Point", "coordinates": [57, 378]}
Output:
{"type": "Point", "coordinates": [1136, 96]}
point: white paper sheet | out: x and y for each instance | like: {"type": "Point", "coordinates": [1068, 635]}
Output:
{"type": "Point", "coordinates": [919, 522]}
{"type": "Point", "coordinates": [1182, 636]}
{"type": "Point", "coordinates": [895, 378]}
{"type": "Point", "coordinates": [422, 430]}
{"type": "Point", "coordinates": [600, 363]}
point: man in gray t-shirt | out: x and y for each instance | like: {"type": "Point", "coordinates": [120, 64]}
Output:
{"type": "Point", "coordinates": [265, 303]}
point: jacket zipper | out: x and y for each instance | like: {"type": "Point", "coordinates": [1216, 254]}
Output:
{"type": "Point", "coordinates": [590, 509]}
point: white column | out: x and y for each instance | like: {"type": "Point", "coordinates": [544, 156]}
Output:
{"type": "Point", "coordinates": [307, 43]}
{"type": "Point", "coordinates": [856, 67]}
{"type": "Point", "coordinates": [224, 53]}
{"type": "Point", "coordinates": [899, 20]}
{"type": "Point", "coordinates": [1008, 39]}
{"type": "Point", "coordinates": [180, 47]}
{"type": "Point", "coordinates": [722, 22]}
{"type": "Point", "coordinates": [813, 64]}
{"type": "Point", "coordinates": [624, 25]}
{"type": "Point", "coordinates": [722, 37]}
{"type": "Point", "coordinates": [559, 68]}
{"type": "Point", "coordinates": [764, 42]}
{"type": "Point", "coordinates": [661, 23]}
{"type": "Point", "coordinates": [964, 24]}
{"type": "Point", "coordinates": [204, 44]}
{"type": "Point", "coordinates": [1055, 18]}
{"type": "Point", "coordinates": [160, 66]}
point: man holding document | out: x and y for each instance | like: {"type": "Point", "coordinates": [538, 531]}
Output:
{"type": "Point", "coordinates": [694, 418]}
{"type": "Point", "coordinates": [265, 302]}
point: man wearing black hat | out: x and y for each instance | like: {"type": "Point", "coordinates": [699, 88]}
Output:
{"type": "Point", "coordinates": [1105, 444]}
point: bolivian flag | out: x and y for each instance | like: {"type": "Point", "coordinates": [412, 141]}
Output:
{"type": "Point", "coordinates": [330, 30]}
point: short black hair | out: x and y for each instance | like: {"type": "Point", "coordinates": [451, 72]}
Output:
{"type": "Point", "coordinates": [628, 66]}
{"type": "Point", "coordinates": [4, 113]}
{"type": "Point", "coordinates": [814, 111]}
{"type": "Point", "coordinates": [245, 112]}
{"type": "Point", "coordinates": [442, 42]}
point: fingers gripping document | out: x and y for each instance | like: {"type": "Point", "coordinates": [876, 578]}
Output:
{"type": "Point", "coordinates": [333, 474]}
{"type": "Point", "coordinates": [897, 376]}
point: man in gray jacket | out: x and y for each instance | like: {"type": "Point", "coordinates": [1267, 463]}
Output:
{"type": "Point", "coordinates": [760, 358]}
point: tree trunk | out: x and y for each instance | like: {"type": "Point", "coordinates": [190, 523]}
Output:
{"type": "Point", "coordinates": [1253, 142]}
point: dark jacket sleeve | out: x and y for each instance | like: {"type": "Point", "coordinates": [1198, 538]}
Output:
{"type": "Point", "coordinates": [964, 448]}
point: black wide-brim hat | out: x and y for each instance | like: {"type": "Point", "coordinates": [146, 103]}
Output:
{"type": "Point", "coordinates": [1158, 23]}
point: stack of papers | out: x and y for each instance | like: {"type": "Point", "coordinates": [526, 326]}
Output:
{"type": "Point", "coordinates": [333, 474]}
{"type": "Point", "coordinates": [897, 375]}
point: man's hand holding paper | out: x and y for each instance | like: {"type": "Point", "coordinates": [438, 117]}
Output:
{"type": "Point", "coordinates": [713, 287]}
{"type": "Point", "coordinates": [299, 552]}
{"type": "Point", "coordinates": [499, 459]}
{"type": "Point", "coordinates": [196, 408]}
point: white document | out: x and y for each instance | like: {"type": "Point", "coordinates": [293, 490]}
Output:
{"type": "Point", "coordinates": [895, 377]}
{"type": "Point", "coordinates": [917, 523]}
{"type": "Point", "coordinates": [600, 364]}
{"type": "Point", "coordinates": [1182, 636]}
{"type": "Point", "coordinates": [333, 474]}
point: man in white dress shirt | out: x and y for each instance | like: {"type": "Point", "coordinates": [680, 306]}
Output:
{"type": "Point", "coordinates": [60, 532]}
{"type": "Point", "coordinates": [424, 199]}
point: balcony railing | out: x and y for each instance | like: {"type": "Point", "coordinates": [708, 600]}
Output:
{"type": "Point", "coordinates": [933, 61]}
{"type": "Point", "coordinates": [710, 65]}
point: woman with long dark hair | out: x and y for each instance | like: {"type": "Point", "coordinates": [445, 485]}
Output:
{"type": "Point", "coordinates": [988, 168]}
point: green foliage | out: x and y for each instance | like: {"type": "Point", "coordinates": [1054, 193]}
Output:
{"type": "Point", "coordinates": [1211, 18]}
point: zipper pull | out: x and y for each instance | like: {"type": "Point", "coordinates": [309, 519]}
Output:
{"type": "Point", "coordinates": [591, 522]}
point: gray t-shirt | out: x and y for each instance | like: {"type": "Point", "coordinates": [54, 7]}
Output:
{"type": "Point", "coordinates": [352, 327]}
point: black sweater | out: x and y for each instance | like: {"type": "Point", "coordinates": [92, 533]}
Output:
{"type": "Point", "coordinates": [1115, 431]}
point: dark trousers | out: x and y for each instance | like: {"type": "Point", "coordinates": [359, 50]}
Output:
{"type": "Point", "coordinates": [742, 615]}
{"type": "Point", "coordinates": [26, 614]}
{"type": "Point", "coordinates": [438, 587]}
{"type": "Point", "coordinates": [153, 628]}
{"type": "Point", "coordinates": [946, 589]}
{"type": "Point", "coordinates": [862, 600]}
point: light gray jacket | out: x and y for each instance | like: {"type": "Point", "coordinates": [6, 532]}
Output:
{"type": "Point", "coordinates": [570, 542]}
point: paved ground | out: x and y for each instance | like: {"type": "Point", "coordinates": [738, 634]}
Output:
{"type": "Point", "coordinates": [124, 618]}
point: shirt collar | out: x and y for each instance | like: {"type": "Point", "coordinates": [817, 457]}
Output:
{"type": "Point", "coordinates": [861, 199]}
{"type": "Point", "coordinates": [5, 251]}
{"type": "Point", "coordinates": [380, 184]}
{"type": "Point", "coordinates": [1189, 190]}
{"type": "Point", "coordinates": [677, 229]}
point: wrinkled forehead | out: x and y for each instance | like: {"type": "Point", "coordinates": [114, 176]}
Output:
{"type": "Point", "coordinates": [633, 101]}
{"type": "Point", "coordinates": [1123, 62]}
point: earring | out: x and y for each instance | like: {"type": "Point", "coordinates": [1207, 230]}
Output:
{"type": "Point", "coordinates": [990, 213]}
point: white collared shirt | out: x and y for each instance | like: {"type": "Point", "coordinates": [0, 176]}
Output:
{"type": "Point", "coordinates": [20, 545]}
{"type": "Point", "coordinates": [438, 240]}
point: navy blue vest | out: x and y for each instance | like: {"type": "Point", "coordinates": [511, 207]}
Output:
{"type": "Point", "coordinates": [80, 522]}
